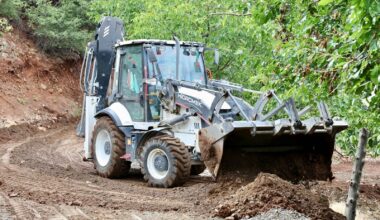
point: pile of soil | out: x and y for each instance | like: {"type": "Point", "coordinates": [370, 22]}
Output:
{"type": "Point", "coordinates": [267, 192]}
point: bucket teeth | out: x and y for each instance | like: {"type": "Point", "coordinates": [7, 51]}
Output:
{"type": "Point", "coordinates": [312, 124]}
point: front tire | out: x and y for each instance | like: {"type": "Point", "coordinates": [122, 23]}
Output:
{"type": "Point", "coordinates": [166, 162]}
{"type": "Point", "coordinates": [107, 147]}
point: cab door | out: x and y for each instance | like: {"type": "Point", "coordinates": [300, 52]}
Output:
{"type": "Point", "coordinates": [152, 103]}
{"type": "Point", "coordinates": [131, 81]}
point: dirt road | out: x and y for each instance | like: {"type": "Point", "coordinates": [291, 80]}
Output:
{"type": "Point", "coordinates": [42, 176]}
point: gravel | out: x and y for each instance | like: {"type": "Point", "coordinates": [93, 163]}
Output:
{"type": "Point", "coordinates": [280, 214]}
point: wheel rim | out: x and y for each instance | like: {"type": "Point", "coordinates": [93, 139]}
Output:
{"type": "Point", "coordinates": [103, 147]}
{"type": "Point", "coordinates": [158, 163]}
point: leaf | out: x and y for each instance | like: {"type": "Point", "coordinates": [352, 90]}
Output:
{"type": "Point", "coordinates": [375, 74]}
{"type": "Point", "coordinates": [239, 52]}
{"type": "Point", "coordinates": [324, 2]}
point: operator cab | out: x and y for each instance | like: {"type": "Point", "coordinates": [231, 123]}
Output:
{"type": "Point", "coordinates": [142, 65]}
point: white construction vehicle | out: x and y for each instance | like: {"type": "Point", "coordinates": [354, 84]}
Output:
{"type": "Point", "coordinates": [151, 102]}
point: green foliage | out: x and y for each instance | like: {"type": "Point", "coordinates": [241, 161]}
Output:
{"type": "Point", "coordinates": [10, 8]}
{"type": "Point", "coordinates": [311, 50]}
{"type": "Point", "coordinates": [351, 108]}
{"type": "Point", "coordinates": [61, 28]}
{"type": "Point", "coordinates": [125, 10]}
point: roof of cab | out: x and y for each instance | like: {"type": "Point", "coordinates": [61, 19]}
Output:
{"type": "Point", "coordinates": [155, 41]}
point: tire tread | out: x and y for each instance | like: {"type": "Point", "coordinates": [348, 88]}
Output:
{"type": "Point", "coordinates": [118, 168]}
{"type": "Point", "coordinates": [180, 157]}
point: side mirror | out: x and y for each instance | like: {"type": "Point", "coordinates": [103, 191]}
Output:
{"type": "Point", "coordinates": [152, 57]}
{"type": "Point", "coordinates": [216, 56]}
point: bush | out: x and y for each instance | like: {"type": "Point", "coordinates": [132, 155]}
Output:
{"type": "Point", "coordinates": [61, 29]}
{"type": "Point", "coordinates": [10, 8]}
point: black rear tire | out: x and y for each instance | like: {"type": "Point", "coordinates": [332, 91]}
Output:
{"type": "Point", "coordinates": [114, 167]}
{"type": "Point", "coordinates": [176, 166]}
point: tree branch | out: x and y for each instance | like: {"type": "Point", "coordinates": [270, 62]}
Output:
{"type": "Point", "coordinates": [226, 64]}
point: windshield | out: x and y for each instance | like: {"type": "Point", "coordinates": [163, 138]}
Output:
{"type": "Point", "coordinates": [191, 66]}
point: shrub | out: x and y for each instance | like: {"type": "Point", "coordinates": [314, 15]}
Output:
{"type": "Point", "coordinates": [62, 28]}
{"type": "Point", "coordinates": [10, 8]}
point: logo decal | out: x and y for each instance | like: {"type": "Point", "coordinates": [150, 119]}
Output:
{"type": "Point", "coordinates": [189, 99]}
{"type": "Point", "coordinates": [106, 31]}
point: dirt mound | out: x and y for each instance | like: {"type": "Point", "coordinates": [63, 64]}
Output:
{"type": "Point", "coordinates": [268, 191]}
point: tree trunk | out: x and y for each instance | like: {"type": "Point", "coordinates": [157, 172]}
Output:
{"type": "Point", "coordinates": [353, 192]}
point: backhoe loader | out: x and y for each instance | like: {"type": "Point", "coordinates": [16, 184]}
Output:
{"type": "Point", "coordinates": [151, 102]}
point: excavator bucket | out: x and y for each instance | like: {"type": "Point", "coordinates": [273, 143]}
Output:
{"type": "Point", "coordinates": [291, 148]}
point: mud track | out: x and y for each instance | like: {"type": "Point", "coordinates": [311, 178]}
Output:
{"type": "Point", "coordinates": [43, 176]}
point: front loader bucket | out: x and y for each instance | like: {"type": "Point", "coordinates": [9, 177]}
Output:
{"type": "Point", "coordinates": [251, 147]}
{"type": "Point", "coordinates": [243, 139]}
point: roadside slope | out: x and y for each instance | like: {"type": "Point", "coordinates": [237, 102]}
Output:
{"type": "Point", "coordinates": [35, 87]}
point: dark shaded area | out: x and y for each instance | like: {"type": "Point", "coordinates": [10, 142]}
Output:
{"type": "Point", "coordinates": [291, 157]}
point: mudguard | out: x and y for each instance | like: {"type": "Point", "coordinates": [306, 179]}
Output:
{"type": "Point", "coordinates": [153, 132]}
{"type": "Point", "coordinates": [118, 113]}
